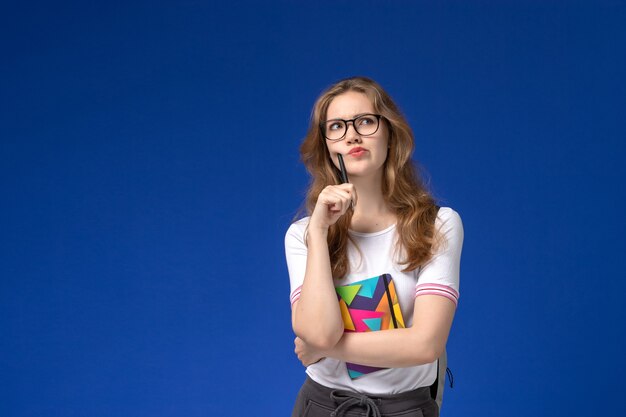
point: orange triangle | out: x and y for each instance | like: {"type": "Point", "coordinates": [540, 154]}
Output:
{"type": "Point", "coordinates": [383, 307]}
{"type": "Point", "coordinates": [392, 292]}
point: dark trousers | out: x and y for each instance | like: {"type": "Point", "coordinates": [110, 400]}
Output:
{"type": "Point", "coordinates": [315, 400]}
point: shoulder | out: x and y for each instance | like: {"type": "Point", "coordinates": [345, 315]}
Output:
{"type": "Point", "coordinates": [448, 215]}
{"type": "Point", "coordinates": [297, 229]}
{"type": "Point", "coordinates": [450, 223]}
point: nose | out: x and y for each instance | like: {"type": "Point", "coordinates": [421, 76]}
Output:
{"type": "Point", "coordinates": [351, 134]}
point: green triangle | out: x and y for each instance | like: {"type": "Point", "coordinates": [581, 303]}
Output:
{"type": "Point", "coordinates": [348, 292]}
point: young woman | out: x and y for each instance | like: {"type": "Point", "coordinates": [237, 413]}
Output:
{"type": "Point", "coordinates": [381, 226]}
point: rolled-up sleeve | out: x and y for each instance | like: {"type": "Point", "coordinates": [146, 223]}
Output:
{"type": "Point", "coordinates": [440, 276]}
{"type": "Point", "coordinates": [296, 253]}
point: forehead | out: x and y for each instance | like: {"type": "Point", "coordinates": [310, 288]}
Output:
{"type": "Point", "coordinates": [348, 105]}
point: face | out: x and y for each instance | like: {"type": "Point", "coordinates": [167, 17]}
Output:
{"type": "Point", "coordinates": [369, 161]}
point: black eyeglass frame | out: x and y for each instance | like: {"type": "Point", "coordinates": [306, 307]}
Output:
{"type": "Point", "coordinates": [323, 125]}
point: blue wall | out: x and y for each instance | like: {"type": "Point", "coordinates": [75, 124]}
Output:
{"type": "Point", "coordinates": [149, 169]}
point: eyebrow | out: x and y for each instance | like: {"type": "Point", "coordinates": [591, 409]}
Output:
{"type": "Point", "coordinates": [356, 116]}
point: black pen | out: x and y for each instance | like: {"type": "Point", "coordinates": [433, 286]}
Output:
{"type": "Point", "coordinates": [342, 166]}
{"type": "Point", "coordinates": [344, 174]}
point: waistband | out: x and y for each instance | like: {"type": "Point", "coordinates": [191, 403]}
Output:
{"type": "Point", "coordinates": [343, 401]}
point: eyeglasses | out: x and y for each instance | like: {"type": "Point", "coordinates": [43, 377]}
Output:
{"type": "Point", "coordinates": [365, 125]}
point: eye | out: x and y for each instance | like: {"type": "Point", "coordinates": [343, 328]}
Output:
{"type": "Point", "coordinates": [335, 126]}
{"type": "Point", "coordinates": [366, 120]}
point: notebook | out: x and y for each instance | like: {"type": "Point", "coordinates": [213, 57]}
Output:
{"type": "Point", "coordinates": [367, 306]}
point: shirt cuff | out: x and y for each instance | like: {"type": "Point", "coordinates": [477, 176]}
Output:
{"type": "Point", "coordinates": [435, 289]}
{"type": "Point", "coordinates": [295, 295]}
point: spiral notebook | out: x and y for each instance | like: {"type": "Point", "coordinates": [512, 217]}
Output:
{"type": "Point", "coordinates": [367, 306]}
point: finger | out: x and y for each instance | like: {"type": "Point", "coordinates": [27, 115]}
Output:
{"type": "Point", "coordinates": [340, 199]}
{"type": "Point", "coordinates": [350, 189]}
{"type": "Point", "coordinates": [333, 205]}
{"type": "Point", "coordinates": [346, 194]}
{"type": "Point", "coordinates": [340, 189]}
{"type": "Point", "coordinates": [333, 201]}
{"type": "Point", "coordinates": [354, 195]}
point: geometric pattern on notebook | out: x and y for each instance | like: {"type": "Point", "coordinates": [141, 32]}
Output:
{"type": "Point", "coordinates": [366, 306]}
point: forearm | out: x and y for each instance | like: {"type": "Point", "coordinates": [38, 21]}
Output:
{"type": "Point", "coordinates": [318, 318]}
{"type": "Point", "coordinates": [393, 348]}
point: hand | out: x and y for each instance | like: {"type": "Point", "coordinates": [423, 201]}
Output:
{"type": "Point", "coordinates": [332, 203]}
{"type": "Point", "coordinates": [306, 354]}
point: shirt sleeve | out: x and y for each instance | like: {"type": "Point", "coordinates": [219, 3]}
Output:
{"type": "Point", "coordinates": [440, 275]}
{"type": "Point", "coordinates": [296, 253]}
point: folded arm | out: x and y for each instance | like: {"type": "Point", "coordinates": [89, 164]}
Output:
{"type": "Point", "coordinates": [315, 314]}
{"type": "Point", "coordinates": [419, 344]}
{"type": "Point", "coordinates": [434, 308]}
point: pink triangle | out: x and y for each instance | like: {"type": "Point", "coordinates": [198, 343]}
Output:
{"type": "Point", "coordinates": [359, 315]}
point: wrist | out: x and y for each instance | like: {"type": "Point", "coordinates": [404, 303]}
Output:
{"type": "Point", "coordinates": [333, 351]}
{"type": "Point", "coordinates": [314, 233]}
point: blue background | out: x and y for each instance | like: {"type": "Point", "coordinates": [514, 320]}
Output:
{"type": "Point", "coordinates": [149, 168]}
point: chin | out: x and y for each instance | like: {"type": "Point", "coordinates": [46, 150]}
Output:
{"type": "Point", "coordinates": [364, 173]}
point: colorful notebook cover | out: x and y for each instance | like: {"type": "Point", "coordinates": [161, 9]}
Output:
{"type": "Point", "coordinates": [365, 307]}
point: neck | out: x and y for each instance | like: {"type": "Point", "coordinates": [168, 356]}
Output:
{"type": "Point", "coordinates": [371, 210]}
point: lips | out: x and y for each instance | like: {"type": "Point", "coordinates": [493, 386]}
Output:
{"type": "Point", "coordinates": [357, 151]}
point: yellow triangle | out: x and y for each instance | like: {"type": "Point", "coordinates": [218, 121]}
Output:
{"type": "Point", "coordinates": [396, 309]}
{"type": "Point", "coordinates": [345, 314]}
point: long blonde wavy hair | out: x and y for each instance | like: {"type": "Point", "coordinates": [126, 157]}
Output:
{"type": "Point", "coordinates": [403, 190]}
